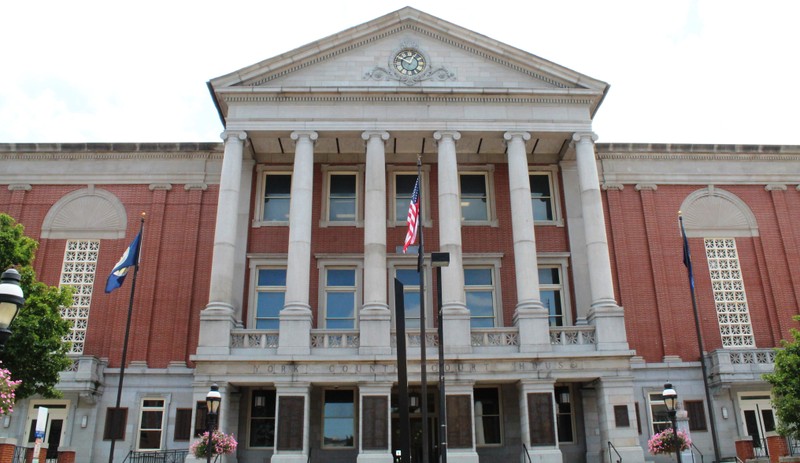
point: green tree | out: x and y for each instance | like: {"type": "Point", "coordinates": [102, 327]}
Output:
{"type": "Point", "coordinates": [36, 352]}
{"type": "Point", "coordinates": [785, 381]}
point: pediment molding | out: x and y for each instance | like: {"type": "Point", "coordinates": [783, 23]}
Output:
{"type": "Point", "coordinates": [714, 212]}
{"type": "Point", "coordinates": [88, 213]}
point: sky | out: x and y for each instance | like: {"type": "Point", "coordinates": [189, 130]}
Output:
{"type": "Point", "coordinates": [680, 71]}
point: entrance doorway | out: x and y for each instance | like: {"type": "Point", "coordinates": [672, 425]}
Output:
{"type": "Point", "coordinates": [758, 419]}
{"type": "Point", "coordinates": [415, 418]}
{"type": "Point", "coordinates": [54, 430]}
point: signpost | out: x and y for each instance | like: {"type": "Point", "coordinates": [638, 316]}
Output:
{"type": "Point", "coordinates": [41, 425]}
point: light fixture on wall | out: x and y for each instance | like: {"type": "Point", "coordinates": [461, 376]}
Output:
{"type": "Point", "coordinates": [84, 421]}
{"type": "Point", "coordinates": [725, 413]}
{"type": "Point", "coordinates": [260, 401]}
{"type": "Point", "coordinates": [6, 421]}
{"type": "Point", "coordinates": [413, 402]}
{"type": "Point", "coordinates": [563, 397]}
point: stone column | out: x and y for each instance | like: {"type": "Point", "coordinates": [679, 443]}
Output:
{"type": "Point", "coordinates": [291, 443]}
{"type": "Point", "coordinates": [218, 317]}
{"type": "Point", "coordinates": [530, 316]}
{"type": "Point", "coordinates": [375, 317]}
{"type": "Point", "coordinates": [618, 392]}
{"type": "Point", "coordinates": [454, 300]}
{"type": "Point", "coordinates": [375, 423]}
{"type": "Point", "coordinates": [539, 394]}
{"type": "Point", "coordinates": [295, 318]}
{"type": "Point", "coordinates": [604, 312]}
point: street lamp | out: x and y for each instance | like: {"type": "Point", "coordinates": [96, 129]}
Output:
{"type": "Point", "coordinates": [439, 260]}
{"type": "Point", "coordinates": [671, 401]}
{"type": "Point", "coordinates": [11, 299]}
{"type": "Point", "coordinates": [213, 399]}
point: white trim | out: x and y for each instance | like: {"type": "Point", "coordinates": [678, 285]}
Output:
{"type": "Point", "coordinates": [500, 415]}
{"type": "Point", "coordinates": [560, 261]}
{"type": "Point", "coordinates": [262, 171]}
{"type": "Point", "coordinates": [249, 419]}
{"type": "Point", "coordinates": [491, 212]}
{"type": "Point", "coordinates": [494, 263]}
{"type": "Point", "coordinates": [327, 171]}
{"type": "Point", "coordinates": [328, 263]}
{"type": "Point", "coordinates": [555, 194]}
{"type": "Point", "coordinates": [393, 171]}
{"type": "Point", "coordinates": [162, 429]}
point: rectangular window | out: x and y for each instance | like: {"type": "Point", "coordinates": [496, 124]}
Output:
{"type": "Point", "coordinates": [78, 271]}
{"type": "Point", "coordinates": [262, 419]}
{"type": "Point", "coordinates": [697, 415]}
{"type": "Point", "coordinates": [116, 418]}
{"type": "Point", "coordinates": [339, 419]}
{"type": "Point", "coordinates": [479, 288]}
{"type": "Point", "coordinates": [151, 423]}
{"type": "Point", "coordinates": [270, 293]}
{"type": "Point", "coordinates": [733, 314]}
{"type": "Point", "coordinates": [411, 295]}
{"type": "Point", "coordinates": [277, 190]}
{"type": "Point", "coordinates": [542, 196]}
{"type": "Point", "coordinates": [659, 413]}
{"type": "Point", "coordinates": [474, 197]}
{"type": "Point", "coordinates": [342, 197]}
{"type": "Point", "coordinates": [564, 418]}
{"type": "Point", "coordinates": [340, 298]}
{"type": "Point", "coordinates": [550, 293]}
{"type": "Point", "coordinates": [183, 424]}
{"type": "Point", "coordinates": [200, 415]}
{"type": "Point", "coordinates": [486, 403]}
{"type": "Point", "coordinates": [403, 188]}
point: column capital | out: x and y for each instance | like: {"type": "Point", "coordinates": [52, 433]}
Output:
{"type": "Point", "coordinates": [442, 134]}
{"type": "Point", "coordinates": [233, 134]}
{"type": "Point", "coordinates": [645, 187]}
{"type": "Point", "coordinates": [584, 137]}
{"type": "Point", "coordinates": [510, 135]}
{"type": "Point", "coordinates": [310, 134]}
{"type": "Point", "coordinates": [367, 134]}
{"type": "Point", "coordinates": [775, 187]}
{"type": "Point", "coordinates": [613, 186]}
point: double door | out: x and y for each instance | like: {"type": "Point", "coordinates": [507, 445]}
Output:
{"type": "Point", "coordinates": [54, 430]}
{"type": "Point", "coordinates": [758, 419]}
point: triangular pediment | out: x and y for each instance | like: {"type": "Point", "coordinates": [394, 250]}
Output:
{"type": "Point", "coordinates": [364, 58]}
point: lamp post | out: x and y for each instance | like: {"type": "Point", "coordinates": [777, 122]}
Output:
{"type": "Point", "coordinates": [213, 399]}
{"type": "Point", "coordinates": [671, 401]}
{"type": "Point", "coordinates": [439, 260]}
{"type": "Point", "coordinates": [11, 299]}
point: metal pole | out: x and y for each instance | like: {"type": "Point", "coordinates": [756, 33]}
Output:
{"type": "Point", "coordinates": [442, 396]}
{"type": "Point", "coordinates": [402, 372]}
{"type": "Point", "coordinates": [422, 334]}
{"type": "Point", "coordinates": [673, 415]}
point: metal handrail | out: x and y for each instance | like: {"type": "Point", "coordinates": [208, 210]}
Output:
{"type": "Point", "coordinates": [698, 451]}
{"type": "Point", "coordinates": [610, 448]}
{"type": "Point", "coordinates": [157, 456]}
{"type": "Point", "coordinates": [525, 450]}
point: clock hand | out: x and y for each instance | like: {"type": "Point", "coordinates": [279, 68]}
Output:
{"type": "Point", "coordinates": [408, 60]}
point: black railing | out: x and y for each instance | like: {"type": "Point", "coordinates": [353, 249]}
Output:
{"type": "Point", "coordinates": [794, 446]}
{"type": "Point", "coordinates": [20, 455]}
{"type": "Point", "coordinates": [526, 454]}
{"type": "Point", "coordinates": [610, 448]}
{"type": "Point", "coordinates": [158, 456]}
{"type": "Point", "coordinates": [760, 447]}
{"type": "Point", "coordinates": [695, 449]}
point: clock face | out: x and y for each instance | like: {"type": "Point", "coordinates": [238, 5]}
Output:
{"type": "Point", "coordinates": [409, 62]}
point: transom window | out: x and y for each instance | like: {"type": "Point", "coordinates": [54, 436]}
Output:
{"type": "Point", "coordinates": [270, 295]}
{"type": "Point", "coordinates": [479, 287]}
{"type": "Point", "coordinates": [730, 299]}
{"type": "Point", "coordinates": [474, 197]}
{"type": "Point", "coordinates": [78, 271]}
{"type": "Point", "coordinates": [409, 277]}
{"type": "Point", "coordinates": [342, 197]}
{"type": "Point", "coordinates": [339, 418]}
{"type": "Point", "coordinates": [277, 189]}
{"type": "Point", "coordinates": [542, 196]}
{"type": "Point", "coordinates": [340, 298]}
{"type": "Point", "coordinates": [564, 414]}
{"type": "Point", "coordinates": [262, 419]}
{"type": "Point", "coordinates": [487, 416]}
{"type": "Point", "coordinates": [151, 424]}
{"type": "Point", "coordinates": [550, 293]}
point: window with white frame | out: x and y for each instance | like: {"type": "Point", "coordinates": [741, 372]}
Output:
{"type": "Point", "coordinates": [151, 424]}
{"type": "Point", "coordinates": [659, 414]}
{"type": "Point", "coordinates": [262, 419]}
{"type": "Point", "coordinates": [409, 277]}
{"type": "Point", "coordinates": [78, 271]}
{"type": "Point", "coordinates": [270, 295]}
{"type": "Point", "coordinates": [486, 406]}
{"type": "Point", "coordinates": [542, 198]}
{"type": "Point", "coordinates": [403, 189]}
{"type": "Point", "coordinates": [277, 195]}
{"type": "Point", "coordinates": [474, 191]}
{"type": "Point", "coordinates": [341, 297]}
{"type": "Point", "coordinates": [338, 422]}
{"type": "Point", "coordinates": [733, 314]}
{"type": "Point", "coordinates": [550, 293]}
{"type": "Point", "coordinates": [342, 200]}
{"type": "Point", "coordinates": [479, 285]}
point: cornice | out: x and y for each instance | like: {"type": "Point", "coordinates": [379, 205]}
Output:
{"type": "Point", "coordinates": [103, 156]}
{"type": "Point", "coordinates": [709, 156]}
{"type": "Point", "coordinates": [415, 98]}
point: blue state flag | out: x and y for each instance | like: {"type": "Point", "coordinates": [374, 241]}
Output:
{"type": "Point", "coordinates": [129, 259]}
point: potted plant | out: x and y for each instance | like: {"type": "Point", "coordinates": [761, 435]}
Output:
{"type": "Point", "coordinates": [664, 442]}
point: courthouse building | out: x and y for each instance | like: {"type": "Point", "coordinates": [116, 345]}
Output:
{"type": "Point", "coordinates": [269, 260]}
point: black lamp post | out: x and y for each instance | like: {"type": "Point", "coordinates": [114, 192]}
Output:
{"type": "Point", "coordinates": [213, 400]}
{"type": "Point", "coordinates": [11, 299]}
{"type": "Point", "coordinates": [671, 401]}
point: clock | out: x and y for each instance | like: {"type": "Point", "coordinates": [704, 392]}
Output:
{"type": "Point", "coordinates": [409, 62]}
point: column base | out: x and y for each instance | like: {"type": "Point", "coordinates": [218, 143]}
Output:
{"type": "Point", "coordinates": [609, 322]}
{"type": "Point", "coordinates": [291, 458]}
{"type": "Point", "coordinates": [216, 322]}
{"type": "Point", "coordinates": [375, 458]}
{"type": "Point", "coordinates": [374, 326]}
{"type": "Point", "coordinates": [533, 323]}
{"type": "Point", "coordinates": [457, 336]}
{"type": "Point", "coordinates": [294, 337]}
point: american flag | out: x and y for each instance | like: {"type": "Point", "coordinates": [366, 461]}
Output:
{"type": "Point", "coordinates": [413, 216]}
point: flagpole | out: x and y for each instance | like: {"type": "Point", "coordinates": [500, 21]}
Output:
{"type": "Point", "coordinates": [687, 261]}
{"type": "Point", "coordinates": [116, 413]}
{"type": "Point", "coordinates": [422, 333]}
